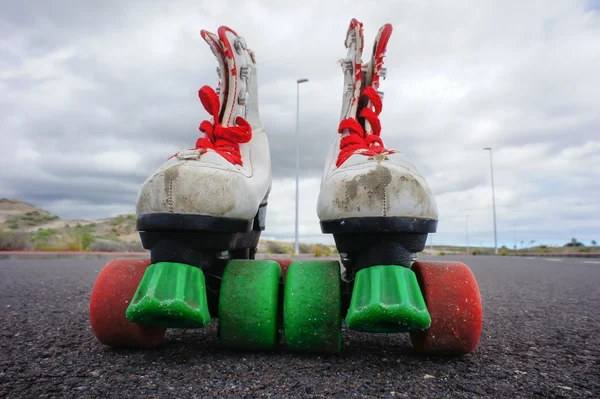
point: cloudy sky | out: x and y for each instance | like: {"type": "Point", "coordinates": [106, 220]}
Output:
{"type": "Point", "coordinates": [96, 95]}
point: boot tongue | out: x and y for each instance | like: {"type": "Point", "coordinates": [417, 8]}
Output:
{"type": "Point", "coordinates": [379, 48]}
{"type": "Point", "coordinates": [355, 34]}
{"type": "Point", "coordinates": [226, 37]}
{"type": "Point", "coordinates": [354, 44]}
{"type": "Point", "coordinates": [217, 49]}
{"type": "Point", "coordinates": [373, 72]}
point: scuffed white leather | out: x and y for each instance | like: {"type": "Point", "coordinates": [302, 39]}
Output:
{"type": "Point", "coordinates": [199, 183]}
{"type": "Point", "coordinates": [198, 187]}
{"type": "Point", "coordinates": [371, 186]}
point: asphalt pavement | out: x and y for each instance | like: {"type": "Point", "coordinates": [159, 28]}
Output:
{"type": "Point", "coordinates": [541, 338]}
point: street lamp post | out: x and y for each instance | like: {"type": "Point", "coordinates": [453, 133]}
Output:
{"type": "Point", "coordinates": [298, 81]}
{"type": "Point", "coordinates": [467, 230]}
{"type": "Point", "coordinates": [493, 201]}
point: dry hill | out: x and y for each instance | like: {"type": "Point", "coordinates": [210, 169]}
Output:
{"type": "Point", "coordinates": [24, 226]}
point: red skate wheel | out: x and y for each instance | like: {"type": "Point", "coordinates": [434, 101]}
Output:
{"type": "Point", "coordinates": [115, 286]}
{"type": "Point", "coordinates": [452, 297]}
{"type": "Point", "coordinates": [284, 263]}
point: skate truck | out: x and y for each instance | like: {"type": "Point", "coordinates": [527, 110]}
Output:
{"type": "Point", "coordinates": [202, 212]}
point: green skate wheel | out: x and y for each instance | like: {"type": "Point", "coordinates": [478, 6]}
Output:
{"type": "Point", "coordinates": [249, 305]}
{"type": "Point", "coordinates": [312, 307]}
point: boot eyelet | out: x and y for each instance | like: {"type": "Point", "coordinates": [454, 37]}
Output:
{"type": "Point", "coordinates": [243, 98]}
{"type": "Point", "coordinates": [240, 45]}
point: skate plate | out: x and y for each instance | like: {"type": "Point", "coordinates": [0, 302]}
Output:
{"type": "Point", "coordinates": [170, 295]}
{"type": "Point", "coordinates": [387, 299]}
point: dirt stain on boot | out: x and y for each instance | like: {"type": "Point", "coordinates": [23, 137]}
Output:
{"type": "Point", "coordinates": [188, 191]}
{"type": "Point", "coordinates": [379, 188]}
{"type": "Point", "coordinates": [201, 195]}
{"type": "Point", "coordinates": [366, 190]}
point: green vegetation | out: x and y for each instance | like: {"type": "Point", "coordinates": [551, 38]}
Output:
{"type": "Point", "coordinates": [287, 248]}
{"type": "Point", "coordinates": [52, 240]}
{"type": "Point", "coordinates": [318, 252]}
{"type": "Point", "coordinates": [34, 218]}
{"type": "Point", "coordinates": [482, 251]}
{"type": "Point", "coordinates": [323, 250]}
{"type": "Point", "coordinates": [44, 234]}
{"type": "Point", "coordinates": [276, 247]}
{"type": "Point", "coordinates": [25, 231]}
{"type": "Point", "coordinates": [86, 240]}
{"type": "Point", "coordinates": [122, 219]}
{"type": "Point", "coordinates": [573, 246]}
{"type": "Point", "coordinates": [88, 228]}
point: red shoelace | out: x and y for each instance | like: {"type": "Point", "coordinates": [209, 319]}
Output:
{"type": "Point", "coordinates": [224, 140]}
{"type": "Point", "coordinates": [358, 140]}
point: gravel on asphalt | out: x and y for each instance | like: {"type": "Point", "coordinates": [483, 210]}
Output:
{"type": "Point", "coordinates": [541, 338]}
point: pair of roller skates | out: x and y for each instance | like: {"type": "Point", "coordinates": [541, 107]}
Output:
{"type": "Point", "coordinates": [202, 212]}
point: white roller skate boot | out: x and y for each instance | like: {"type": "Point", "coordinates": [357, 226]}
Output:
{"type": "Point", "coordinates": [375, 203]}
{"type": "Point", "coordinates": [206, 205]}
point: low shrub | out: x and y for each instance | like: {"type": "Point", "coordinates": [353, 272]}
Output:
{"type": "Point", "coordinates": [274, 247]}
{"type": "Point", "coordinates": [44, 234]}
{"type": "Point", "coordinates": [305, 248]}
{"type": "Point", "coordinates": [14, 241]}
{"type": "Point", "coordinates": [68, 242]}
{"type": "Point", "coordinates": [51, 240]}
{"type": "Point", "coordinates": [86, 240]}
{"type": "Point", "coordinates": [321, 250]}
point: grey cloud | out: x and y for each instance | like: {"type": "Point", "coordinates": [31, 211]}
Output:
{"type": "Point", "coordinates": [130, 73]}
